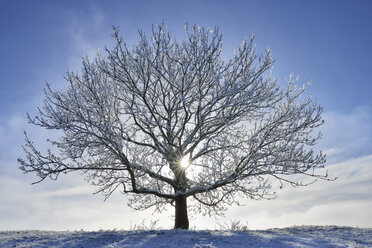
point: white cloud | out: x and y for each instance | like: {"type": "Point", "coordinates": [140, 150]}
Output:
{"type": "Point", "coordinates": [88, 35]}
{"type": "Point", "coordinates": [346, 201]}
{"type": "Point", "coordinates": [347, 135]}
{"type": "Point", "coordinates": [333, 151]}
{"type": "Point", "coordinates": [62, 205]}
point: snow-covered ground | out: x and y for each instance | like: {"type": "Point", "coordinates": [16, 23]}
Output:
{"type": "Point", "coordinates": [304, 236]}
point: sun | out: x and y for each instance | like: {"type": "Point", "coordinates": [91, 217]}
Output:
{"type": "Point", "coordinates": [185, 162]}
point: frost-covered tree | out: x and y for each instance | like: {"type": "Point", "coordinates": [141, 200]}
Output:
{"type": "Point", "coordinates": [171, 122]}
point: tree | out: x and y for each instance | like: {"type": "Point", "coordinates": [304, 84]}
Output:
{"type": "Point", "coordinates": [169, 122]}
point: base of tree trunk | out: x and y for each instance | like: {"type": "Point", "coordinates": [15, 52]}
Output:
{"type": "Point", "coordinates": [181, 218]}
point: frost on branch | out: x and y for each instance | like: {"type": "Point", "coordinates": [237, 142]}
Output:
{"type": "Point", "coordinates": [132, 115]}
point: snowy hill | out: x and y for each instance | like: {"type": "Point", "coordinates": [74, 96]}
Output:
{"type": "Point", "coordinates": [307, 236]}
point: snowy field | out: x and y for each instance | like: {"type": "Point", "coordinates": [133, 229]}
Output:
{"type": "Point", "coordinates": [307, 236]}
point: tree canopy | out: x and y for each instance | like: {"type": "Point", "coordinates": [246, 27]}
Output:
{"type": "Point", "coordinates": [167, 121]}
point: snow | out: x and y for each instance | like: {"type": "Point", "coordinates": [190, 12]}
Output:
{"type": "Point", "coordinates": [303, 236]}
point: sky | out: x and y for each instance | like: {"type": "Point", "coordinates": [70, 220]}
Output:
{"type": "Point", "coordinates": [325, 42]}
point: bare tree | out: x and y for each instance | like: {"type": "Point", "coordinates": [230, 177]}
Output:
{"type": "Point", "coordinates": [170, 121]}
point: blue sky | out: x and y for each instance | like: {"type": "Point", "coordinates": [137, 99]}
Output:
{"type": "Point", "coordinates": [327, 42]}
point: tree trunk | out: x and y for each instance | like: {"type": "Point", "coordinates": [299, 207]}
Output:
{"type": "Point", "coordinates": [181, 218]}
